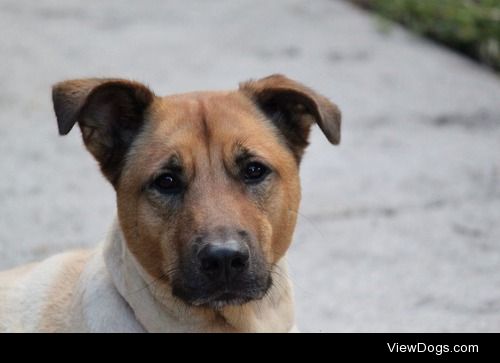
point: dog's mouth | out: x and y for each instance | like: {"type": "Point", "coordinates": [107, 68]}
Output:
{"type": "Point", "coordinates": [217, 285]}
{"type": "Point", "coordinates": [219, 301]}
{"type": "Point", "coordinates": [217, 298]}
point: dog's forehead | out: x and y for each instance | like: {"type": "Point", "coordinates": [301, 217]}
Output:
{"type": "Point", "coordinates": [199, 110]}
{"type": "Point", "coordinates": [195, 120]}
{"type": "Point", "coordinates": [204, 129]}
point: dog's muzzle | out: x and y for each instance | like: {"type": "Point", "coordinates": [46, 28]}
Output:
{"type": "Point", "coordinates": [223, 262]}
{"type": "Point", "coordinates": [222, 271]}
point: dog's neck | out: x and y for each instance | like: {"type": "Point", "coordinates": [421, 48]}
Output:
{"type": "Point", "coordinates": [159, 311]}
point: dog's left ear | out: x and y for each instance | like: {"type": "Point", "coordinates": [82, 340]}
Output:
{"type": "Point", "coordinates": [293, 108]}
{"type": "Point", "coordinates": [110, 113]}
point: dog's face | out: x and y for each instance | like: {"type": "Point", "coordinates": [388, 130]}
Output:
{"type": "Point", "coordinates": [207, 183]}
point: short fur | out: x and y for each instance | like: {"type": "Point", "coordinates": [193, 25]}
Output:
{"type": "Point", "coordinates": [142, 277]}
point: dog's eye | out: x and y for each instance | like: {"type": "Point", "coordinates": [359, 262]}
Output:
{"type": "Point", "coordinates": [255, 172]}
{"type": "Point", "coordinates": [167, 183]}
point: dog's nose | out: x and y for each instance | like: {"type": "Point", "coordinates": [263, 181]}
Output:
{"type": "Point", "coordinates": [224, 260]}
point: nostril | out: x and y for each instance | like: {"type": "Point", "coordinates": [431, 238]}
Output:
{"type": "Point", "coordinates": [243, 234]}
{"type": "Point", "coordinates": [223, 260]}
{"type": "Point", "coordinates": [239, 263]}
{"type": "Point", "coordinates": [210, 264]}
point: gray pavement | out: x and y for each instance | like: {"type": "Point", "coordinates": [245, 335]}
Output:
{"type": "Point", "coordinates": [400, 225]}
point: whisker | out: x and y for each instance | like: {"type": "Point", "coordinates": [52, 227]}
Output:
{"type": "Point", "coordinates": [147, 285]}
{"type": "Point", "coordinates": [311, 222]}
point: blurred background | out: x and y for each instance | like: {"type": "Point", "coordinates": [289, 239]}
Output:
{"type": "Point", "coordinates": [400, 225]}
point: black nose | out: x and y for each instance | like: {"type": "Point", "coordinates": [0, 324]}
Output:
{"type": "Point", "coordinates": [224, 260]}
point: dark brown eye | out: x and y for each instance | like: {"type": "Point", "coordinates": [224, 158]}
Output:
{"type": "Point", "coordinates": [167, 183]}
{"type": "Point", "coordinates": [255, 172]}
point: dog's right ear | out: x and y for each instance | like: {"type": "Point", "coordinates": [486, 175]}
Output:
{"type": "Point", "coordinates": [293, 108]}
{"type": "Point", "coordinates": [110, 113]}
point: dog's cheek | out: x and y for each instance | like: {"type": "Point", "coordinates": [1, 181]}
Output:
{"type": "Point", "coordinates": [177, 243]}
{"type": "Point", "coordinates": [161, 229]}
{"type": "Point", "coordinates": [282, 212]}
{"type": "Point", "coordinates": [142, 229]}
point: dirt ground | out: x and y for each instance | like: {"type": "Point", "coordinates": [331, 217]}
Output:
{"type": "Point", "coordinates": [399, 227]}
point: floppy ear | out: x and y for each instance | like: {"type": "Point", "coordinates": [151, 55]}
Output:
{"type": "Point", "coordinates": [293, 108]}
{"type": "Point", "coordinates": [110, 114]}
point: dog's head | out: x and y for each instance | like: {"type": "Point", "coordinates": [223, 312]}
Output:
{"type": "Point", "coordinates": [207, 183]}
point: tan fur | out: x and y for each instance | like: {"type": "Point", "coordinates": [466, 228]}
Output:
{"type": "Point", "coordinates": [133, 134]}
{"type": "Point", "coordinates": [39, 296]}
{"type": "Point", "coordinates": [175, 126]}
{"type": "Point", "coordinates": [57, 307]}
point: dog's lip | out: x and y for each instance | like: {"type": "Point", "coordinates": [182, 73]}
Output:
{"type": "Point", "coordinates": [227, 296]}
{"type": "Point", "coordinates": [230, 296]}
{"type": "Point", "coordinates": [220, 295]}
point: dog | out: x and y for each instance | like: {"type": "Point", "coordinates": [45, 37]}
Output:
{"type": "Point", "coordinates": [207, 190]}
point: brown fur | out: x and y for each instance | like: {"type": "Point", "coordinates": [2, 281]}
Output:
{"type": "Point", "coordinates": [134, 134]}
{"type": "Point", "coordinates": [180, 125]}
{"type": "Point", "coordinates": [110, 114]}
{"type": "Point", "coordinates": [293, 108]}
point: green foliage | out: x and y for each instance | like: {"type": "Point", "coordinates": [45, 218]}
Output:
{"type": "Point", "coordinates": [471, 26]}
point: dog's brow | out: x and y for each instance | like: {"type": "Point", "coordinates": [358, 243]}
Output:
{"type": "Point", "coordinates": [174, 162]}
{"type": "Point", "coordinates": [243, 153]}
